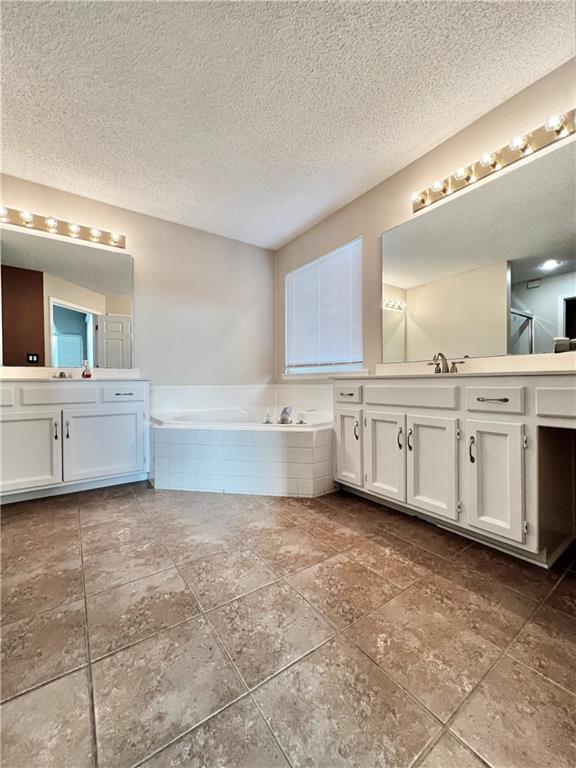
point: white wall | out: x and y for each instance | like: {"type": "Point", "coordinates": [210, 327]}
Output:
{"type": "Point", "coordinates": [118, 305]}
{"type": "Point", "coordinates": [203, 304]}
{"type": "Point", "coordinates": [545, 304]}
{"type": "Point", "coordinates": [389, 204]}
{"type": "Point", "coordinates": [464, 314]}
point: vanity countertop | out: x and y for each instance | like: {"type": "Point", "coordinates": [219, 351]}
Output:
{"type": "Point", "coordinates": [459, 375]}
{"type": "Point", "coordinates": [52, 379]}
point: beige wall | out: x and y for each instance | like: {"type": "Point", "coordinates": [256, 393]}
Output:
{"type": "Point", "coordinates": [389, 204]}
{"type": "Point", "coordinates": [464, 314]}
{"type": "Point", "coordinates": [118, 305]}
{"type": "Point", "coordinates": [203, 304]}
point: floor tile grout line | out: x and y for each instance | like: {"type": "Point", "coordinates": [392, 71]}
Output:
{"type": "Point", "coordinates": [43, 684]}
{"type": "Point", "coordinates": [268, 726]}
{"type": "Point", "coordinates": [91, 696]}
{"type": "Point", "coordinates": [540, 674]}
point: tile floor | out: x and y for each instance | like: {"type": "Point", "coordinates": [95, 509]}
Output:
{"type": "Point", "coordinates": [171, 629]}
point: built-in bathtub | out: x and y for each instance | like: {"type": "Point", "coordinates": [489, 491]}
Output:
{"type": "Point", "coordinates": [232, 450]}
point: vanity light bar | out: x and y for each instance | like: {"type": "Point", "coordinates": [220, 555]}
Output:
{"type": "Point", "coordinates": [59, 227]}
{"type": "Point", "coordinates": [558, 126]}
{"type": "Point", "coordinates": [394, 304]}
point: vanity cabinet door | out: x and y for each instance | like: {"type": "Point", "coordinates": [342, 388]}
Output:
{"type": "Point", "coordinates": [103, 442]}
{"type": "Point", "coordinates": [349, 446]}
{"type": "Point", "coordinates": [432, 464]}
{"type": "Point", "coordinates": [495, 477]}
{"type": "Point", "coordinates": [385, 458]}
{"type": "Point", "coordinates": [30, 450]}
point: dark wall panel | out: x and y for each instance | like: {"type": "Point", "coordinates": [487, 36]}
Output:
{"type": "Point", "coordinates": [22, 315]}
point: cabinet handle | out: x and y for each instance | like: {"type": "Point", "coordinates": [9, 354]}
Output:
{"type": "Point", "coordinates": [408, 441]}
{"type": "Point", "coordinates": [67, 430]}
{"type": "Point", "coordinates": [399, 435]}
{"type": "Point", "coordinates": [493, 399]}
{"type": "Point", "coordinates": [470, 444]}
{"type": "Point", "coordinates": [55, 430]}
{"type": "Point", "coordinates": [346, 394]}
{"type": "Point", "coordinates": [356, 435]}
{"type": "Point", "coordinates": [124, 394]}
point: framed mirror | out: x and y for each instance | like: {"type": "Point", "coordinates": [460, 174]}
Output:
{"type": "Point", "coordinates": [489, 272]}
{"type": "Point", "coordinates": [64, 302]}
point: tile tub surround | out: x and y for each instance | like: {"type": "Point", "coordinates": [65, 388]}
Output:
{"type": "Point", "coordinates": [294, 462]}
{"type": "Point", "coordinates": [267, 631]}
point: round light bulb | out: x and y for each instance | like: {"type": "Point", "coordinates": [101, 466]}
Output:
{"type": "Point", "coordinates": [518, 143]}
{"type": "Point", "coordinates": [26, 217]}
{"type": "Point", "coordinates": [462, 174]}
{"type": "Point", "coordinates": [3, 214]}
{"type": "Point", "coordinates": [95, 234]}
{"type": "Point", "coordinates": [555, 122]}
{"type": "Point", "coordinates": [488, 160]}
{"type": "Point", "coordinates": [439, 186]}
{"type": "Point", "coordinates": [51, 223]}
{"type": "Point", "coordinates": [74, 229]}
{"type": "Point", "coordinates": [549, 265]}
{"type": "Point", "coordinates": [115, 237]}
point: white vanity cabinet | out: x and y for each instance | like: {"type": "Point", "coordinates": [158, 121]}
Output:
{"type": "Point", "coordinates": [30, 449]}
{"type": "Point", "coordinates": [492, 456]}
{"type": "Point", "coordinates": [350, 450]}
{"type": "Point", "coordinates": [58, 436]}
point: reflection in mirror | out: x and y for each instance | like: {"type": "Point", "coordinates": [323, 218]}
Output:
{"type": "Point", "coordinates": [64, 302]}
{"type": "Point", "coordinates": [489, 272]}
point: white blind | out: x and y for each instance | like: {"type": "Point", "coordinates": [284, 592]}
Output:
{"type": "Point", "coordinates": [324, 311]}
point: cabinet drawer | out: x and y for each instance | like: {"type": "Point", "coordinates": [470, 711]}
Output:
{"type": "Point", "coordinates": [495, 399]}
{"type": "Point", "coordinates": [348, 393]}
{"type": "Point", "coordinates": [59, 394]}
{"type": "Point", "coordinates": [7, 397]}
{"type": "Point", "coordinates": [556, 401]}
{"type": "Point", "coordinates": [123, 393]}
{"type": "Point", "coordinates": [426, 397]}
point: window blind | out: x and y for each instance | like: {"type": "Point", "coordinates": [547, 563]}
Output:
{"type": "Point", "coordinates": [324, 312]}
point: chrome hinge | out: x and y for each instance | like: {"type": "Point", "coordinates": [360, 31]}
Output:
{"type": "Point", "coordinates": [459, 507]}
{"type": "Point", "coordinates": [458, 433]}
{"type": "Point", "coordinates": [365, 422]}
{"type": "Point", "coordinates": [525, 526]}
{"type": "Point", "coordinates": [366, 477]}
{"type": "Point", "coordinates": [525, 441]}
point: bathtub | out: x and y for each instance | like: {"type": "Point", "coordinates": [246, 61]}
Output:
{"type": "Point", "coordinates": [231, 450]}
{"type": "Point", "coordinates": [243, 418]}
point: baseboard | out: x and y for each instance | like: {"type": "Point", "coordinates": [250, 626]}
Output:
{"type": "Point", "coordinates": [60, 490]}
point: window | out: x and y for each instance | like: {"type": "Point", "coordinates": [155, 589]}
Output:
{"type": "Point", "coordinates": [324, 313]}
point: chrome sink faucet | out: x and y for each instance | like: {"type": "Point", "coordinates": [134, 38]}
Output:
{"type": "Point", "coordinates": [440, 362]}
{"type": "Point", "coordinates": [285, 415]}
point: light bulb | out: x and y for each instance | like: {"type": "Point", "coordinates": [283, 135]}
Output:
{"type": "Point", "coordinates": [462, 174]}
{"type": "Point", "coordinates": [488, 160]}
{"type": "Point", "coordinates": [74, 229]}
{"type": "Point", "coordinates": [555, 122]}
{"type": "Point", "coordinates": [115, 237]}
{"type": "Point", "coordinates": [51, 223]}
{"type": "Point", "coordinates": [518, 143]}
{"type": "Point", "coordinates": [26, 217]}
{"type": "Point", "coordinates": [95, 234]}
{"type": "Point", "coordinates": [3, 214]}
{"type": "Point", "coordinates": [549, 265]}
{"type": "Point", "coordinates": [439, 186]}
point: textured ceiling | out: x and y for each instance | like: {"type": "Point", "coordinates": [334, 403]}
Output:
{"type": "Point", "coordinates": [255, 119]}
{"type": "Point", "coordinates": [527, 214]}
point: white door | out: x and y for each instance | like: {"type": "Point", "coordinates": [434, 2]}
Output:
{"type": "Point", "coordinates": [113, 341]}
{"type": "Point", "coordinates": [30, 450]}
{"type": "Point", "coordinates": [349, 446]}
{"type": "Point", "coordinates": [496, 477]}
{"type": "Point", "coordinates": [385, 458]}
{"type": "Point", "coordinates": [432, 464]}
{"type": "Point", "coordinates": [103, 442]}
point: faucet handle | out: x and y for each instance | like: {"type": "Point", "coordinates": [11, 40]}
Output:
{"type": "Point", "coordinates": [437, 368]}
{"type": "Point", "coordinates": [453, 365]}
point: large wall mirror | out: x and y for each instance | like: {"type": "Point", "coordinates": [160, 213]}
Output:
{"type": "Point", "coordinates": [64, 302]}
{"type": "Point", "coordinates": [489, 272]}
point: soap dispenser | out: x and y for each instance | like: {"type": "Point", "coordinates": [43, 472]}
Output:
{"type": "Point", "coordinates": [86, 372]}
